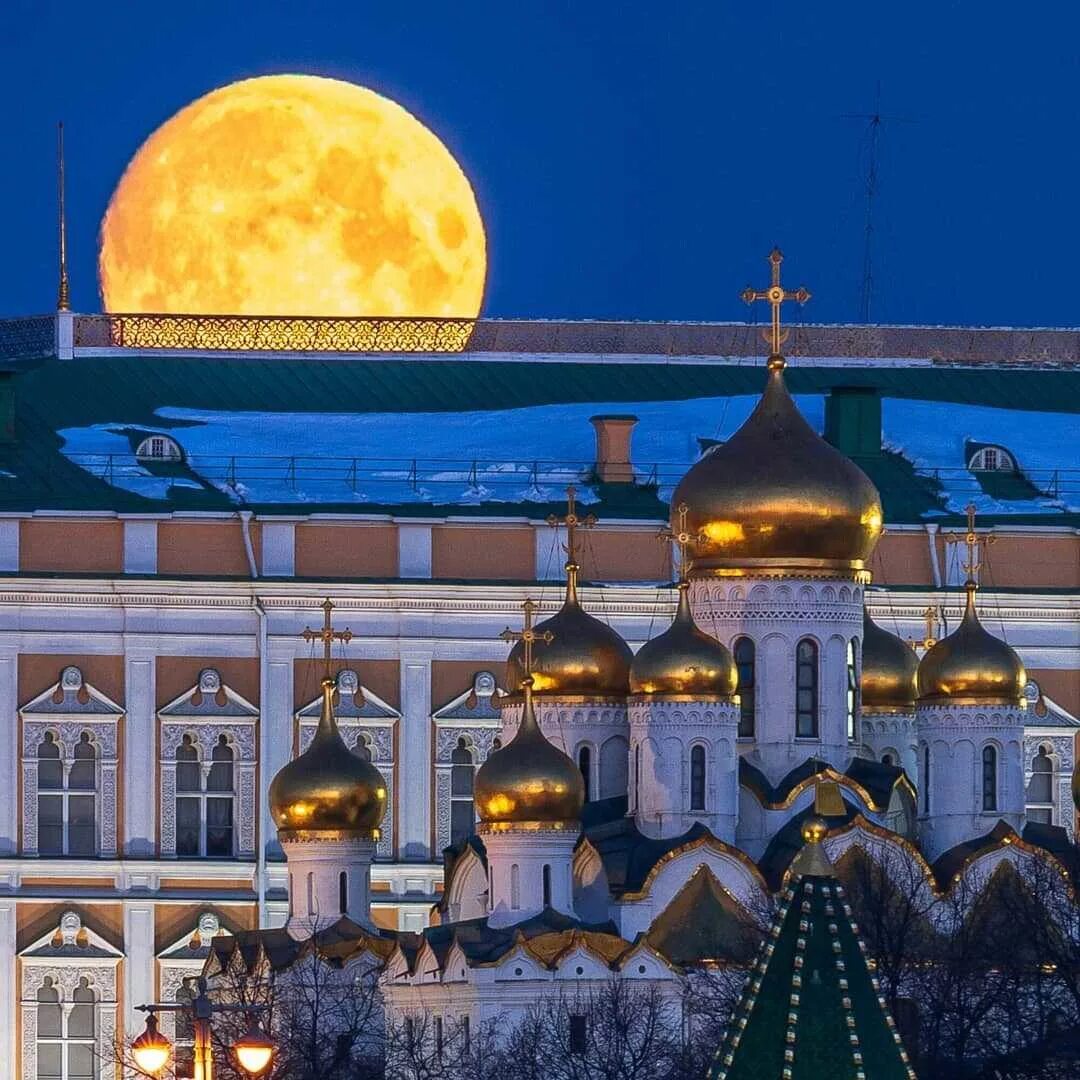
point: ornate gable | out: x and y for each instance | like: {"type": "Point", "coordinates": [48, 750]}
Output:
{"type": "Point", "coordinates": [210, 698]}
{"type": "Point", "coordinates": [71, 696]}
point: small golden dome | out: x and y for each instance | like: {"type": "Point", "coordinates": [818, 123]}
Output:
{"type": "Point", "coordinates": [814, 830]}
{"type": "Point", "coordinates": [529, 782]}
{"type": "Point", "coordinates": [328, 787]}
{"type": "Point", "coordinates": [684, 660]}
{"type": "Point", "coordinates": [889, 667]}
{"type": "Point", "coordinates": [971, 665]}
{"type": "Point", "coordinates": [777, 496]}
{"type": "Point", "coordinates": [584, 656]}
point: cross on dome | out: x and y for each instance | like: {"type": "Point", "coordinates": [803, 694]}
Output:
{"type": "Point", "coordinates": [327, 635]}
{"type": "Point", "coordinates": [528, 635]}
{"type": "Point", "coordinates": [683, 539]}
{"type": "Point", "coordinates": [573, 521]}
{"type": "Point", "coordinates": [775, 294]}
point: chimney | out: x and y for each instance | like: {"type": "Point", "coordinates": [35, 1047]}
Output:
{"type": "Point", "coordinates": [853, 420]}
{"type": "Point", "coordinates": [613, 448]}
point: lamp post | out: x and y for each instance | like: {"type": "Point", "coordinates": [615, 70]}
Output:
{"type": "Point", "coordinates": [253, 1052]}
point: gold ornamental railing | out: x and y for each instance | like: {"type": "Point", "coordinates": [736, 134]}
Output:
{"type": "Point", "coordinates": [273, 333]}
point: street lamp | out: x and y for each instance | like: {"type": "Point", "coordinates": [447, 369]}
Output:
{"type": "Point", "coordinates": [253, 1052]}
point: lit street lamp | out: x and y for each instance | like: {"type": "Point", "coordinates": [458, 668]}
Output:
{"type": "Point", "coordinates": [253, 1051]}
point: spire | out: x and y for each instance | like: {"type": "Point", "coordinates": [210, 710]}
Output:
{"type": "Point", "coordinates": [775, 294]}
{"type": "Point", "coordinates": [573, 522]}
{"type": "Point", "coordinates": [63, 292]}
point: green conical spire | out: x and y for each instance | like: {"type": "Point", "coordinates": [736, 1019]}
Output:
{"type": "Point", "coordinates": [812, 1007]}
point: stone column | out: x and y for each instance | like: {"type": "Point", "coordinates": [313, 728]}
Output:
{"type": "Point", "coordinates": [8, 992]}
{"type": "Point", "coordinates": [414, 767]}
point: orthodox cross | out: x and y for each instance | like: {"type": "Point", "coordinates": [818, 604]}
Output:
{"type": "Point", "coordinates": [683, 539]}
{"type": "Point", "coordinates": [572, 521]}
{"type": "Point", "coordinates": [930, 619]}
{"type": "Point", "coordinates": [527, 635]}
{"type": "Point", "coordinates": [775, 294]}
{"type": "Point", "coordinates": [327, 635]}
{"type": "Point", "coordinates": [972, 565]}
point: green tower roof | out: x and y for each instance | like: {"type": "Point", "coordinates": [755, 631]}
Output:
{"type": "Point", "coordinates": [812, 1007]}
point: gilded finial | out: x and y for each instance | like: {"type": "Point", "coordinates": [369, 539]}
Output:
{"type": "Point", "coordinates": [972, 564]}
{"type": "Point", "coordinates": [527, 635]}
{"type": "Point", "coordinates": [775, 294]}
{"type": "Point", "coordinates": [683, 540]}
{"type": "Point", "coordinates": [327, 635]}
{"type": "Point", "coordinates": [930, 622]}
{"type": "Point", "coordinates": [573, 521]}
{"type": "Point", "coordinates": [63, 291]}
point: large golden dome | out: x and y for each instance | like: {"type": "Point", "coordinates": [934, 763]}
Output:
{"type": "Point", "coordinates": [529, 782]}
{"type": "Point", "coordinates": [889, 666]}
{"type": "Point", "coordinates": [684, 660]}
{"type": "Point", "coordinates": [328, 787]}
{"type": "Point", "coordinates": [971, 666]}
{"type": "Point", "coordinates": [584, 656]}
{"type": "Point", "coordinates": [777, 497]}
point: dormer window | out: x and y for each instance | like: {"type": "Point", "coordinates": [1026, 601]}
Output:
{"type": "Point", "coordinates": [159, 448]}
{"type": "Point", "coordinates": [992, 459]}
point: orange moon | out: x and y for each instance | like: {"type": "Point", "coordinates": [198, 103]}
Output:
{"type": "Point", "coordinates": [293, 195]}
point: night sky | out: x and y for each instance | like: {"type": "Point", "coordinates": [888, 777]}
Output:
{"type": "Point", "coordinates": [631, 160]}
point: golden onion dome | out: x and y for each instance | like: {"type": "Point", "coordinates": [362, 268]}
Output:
{"type": "Point", "coordinates": [529, 782]}
{"type": "Point", "coordinates": [777, 496]}
{"type": "Point", "coordinates": [889, 667]}
{"type": "Point", "coordinates": [328, 787]}
{"type": "Point", "coordinates": [583, 657]}
{"type": "Point", "coordinates": [684, 660]}
{"type": "Point", "coordinates": [971, 666]}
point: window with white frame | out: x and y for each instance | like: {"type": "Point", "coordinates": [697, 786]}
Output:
{"type": "Point", "coordinates": [992, 459]}
{"type": "Point", "coordinates": [159, 448]}
{"type": "Point", "coordinates": [67, 797]}
{"type": "Point", "coordinates": [1040, 789]}
{"type": "Point", "coordinates": [66, 1032]}
{"type": "Point", "coordinates": [204, 800]}
{"type": "Point", "coordinates": [462, 774]}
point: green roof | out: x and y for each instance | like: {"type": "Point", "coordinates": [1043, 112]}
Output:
{"type": "Point", "coordinates": [811, 1007]}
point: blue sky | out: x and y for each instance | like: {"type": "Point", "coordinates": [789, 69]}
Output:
{"type": "Point", "coordinates": [632, 160]}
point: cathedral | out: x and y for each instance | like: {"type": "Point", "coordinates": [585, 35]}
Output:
{"type": "Point", "coordinates": [678, 636]}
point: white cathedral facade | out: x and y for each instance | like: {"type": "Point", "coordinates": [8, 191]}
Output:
{"type": "Point", "coordinates": [631, 799]}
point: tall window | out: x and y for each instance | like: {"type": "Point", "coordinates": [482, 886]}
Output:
{"type": "Point", "coordinates": [343, 892]}
{"type": "Point", "coordinates": [1040, 791]}
{"type": "Point", "coordinates": [462, 774]}
{"type": "Point", "coordinates": [926, 779]}
{"type": "Point", "coordinates": [852, 692]}
{"type": "Point", "coordinates": [515, 888]}
{"type": "Point", "coordinates": [362, 747]}
{"type": "Point", "coordinates": [67, 820]}
{"type": "Point", "coordinates": [547, 885]}
{"type": "Point", "coordinates": [744, 663]}
{"type": "Point", "coordinates": [184, 1040]}
{"type": "Point", "coordinates": [579, 1029]}
{"type": "Point", "coordinates": [584, 760]}
{"type": "Point", "coordinates": [806, 689]}
{"type": "Point", "coordinates": [697, 778]}
{"type": "Point", "coordinates": [204, 814]}
{"type": "Point", "coordinates": [989, 778]}
{"type": "Point", "coordinates": [637, 776]}
{"type": "Point", "coordinates": [66, 1036]}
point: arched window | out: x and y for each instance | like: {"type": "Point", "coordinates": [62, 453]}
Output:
{"type": "Point", "coordinates": [343, 892]}
{"type": "Point", "coordinates": [66, 1038]}
{"type": "Point", "coordinates": [992, 459]}
{"type": "Point", "coordinates": [67, 804]}
{"type": "Point", "coordinates": [926, 779]}
{"type": "Point", "coordinates": [806, 689]}
{"type": "Point", "coordinates": [989, 778]}
{"type": "Point", "coordinates": [547, 885]}
{"type": "Point", "coordinates": [1040, 791]}
{"type": "Point", "coordinates": [204, 815]}
{"type": "Point", "coordinates": [852, 692]}
{"type": "Point", "coordinates": [584, 760]}
{"type": "Point", "coordinates": [515, 887]}
{"type": "Point", "coordinates": [462, 774]}
{"type": "Point", "coordinates": [744, 664]}
{"type": "Point", "coordinates": [159, 448]}
{"type": "Point", "coordinates": [886, 759]}
{"type": "Point", "coordinates": [697, 778]}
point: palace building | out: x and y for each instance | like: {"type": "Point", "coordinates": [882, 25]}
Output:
{"type": "Point", "coordinates": [746, 596]}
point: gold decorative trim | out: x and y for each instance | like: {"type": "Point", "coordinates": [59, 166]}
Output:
{"type": "Point", "coordinates": [828, 773]}
{"type": "Point", "coordinates": [804, 569]}
{"type": "Point", "coordinates": [485, 827]}
{"type": "Point", "coordinates": [711, 842]}
{"type": "Point", "coordinates": [324, 836]}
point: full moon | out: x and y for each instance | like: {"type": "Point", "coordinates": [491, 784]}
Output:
{"type": "Point", "coordinates": [293, 195]}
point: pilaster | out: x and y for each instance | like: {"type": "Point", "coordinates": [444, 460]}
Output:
{"type": "Point", "coordinates": [139, 962]}
{"type": "Point", "coordinates": [276, 714]}
{"type": "Point", "coordinates": [414, 831]}
{"type": "Point", "coordinates": [9, 759]}
{"type": "Point", "coordinates": [140, 546]}
{"type": "Point", "coordinates": [278, 548]}
{"type": "Point", "coordinates": [8, 994]}
{"type": "Point", "coordinates": [9, 545]}
{"type": "Point", "coordinates": [414, 551]}
{"type": "Point", "coordinates": [139, 758]}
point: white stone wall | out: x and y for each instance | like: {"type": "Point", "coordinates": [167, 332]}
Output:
{"type": "Point", "coordinates": [516, 864]}
{"type": "Point", "coordinates": [891, 733]}
{"type": "Point", "coordinates": [776, 614]}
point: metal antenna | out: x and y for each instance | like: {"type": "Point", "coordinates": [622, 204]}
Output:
{"type": "Point", "coordinates": [874, 120]}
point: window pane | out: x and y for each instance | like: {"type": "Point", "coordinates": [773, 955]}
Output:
{"type": "Point", "coordinates": [50, 824]}
{"type": "Point", "coordinates": [1042, 814]}
{"type": "Point", "coordinates": [221, 777]}
{"type": "Point", "coordinates": [361, 749]}
{"type": "Point", "coordinates": [81, 825]}
{"type": "Point", "coordinates": [80, 1061]}
{"type": "Point", "coordinates": [461, 780]}
{"type": "Point", "coordinates": [49, 1020]}
{"type": "Point", "coordinates": [187, 826]}
{"type": "Point", "coordinates": [50, 775]}
{"type": "Point", "coordinates": [50, 1056]}
{"type": "Point", "coordinates": [462, 823]}
{"type": "Point", "coordinates": [188, 776]}
{"type": "Point", "coordinates": [697, 778]}
{"type": "Point", "coordinates": [81, 1020]}
{"type": "Point", "coordinates": [1041, 786]}
{"type": "Point", "coordinates": [219, 827]}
